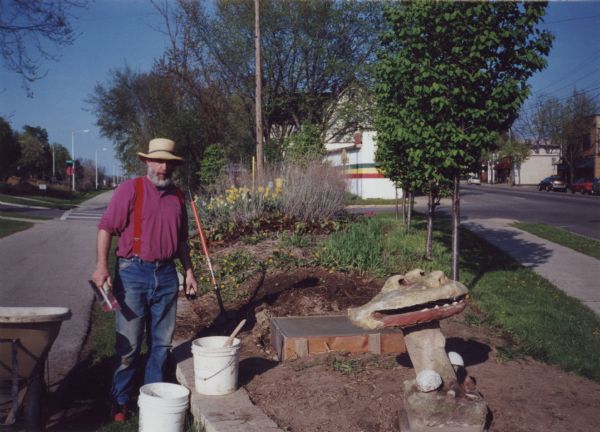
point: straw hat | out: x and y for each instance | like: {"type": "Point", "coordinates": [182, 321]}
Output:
{"type": "Point", "coordinates": [161, 148]}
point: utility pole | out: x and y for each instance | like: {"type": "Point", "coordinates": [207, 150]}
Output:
{"type": "Point", "coordinates": [258, 101]}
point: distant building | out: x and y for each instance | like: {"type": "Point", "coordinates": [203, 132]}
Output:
{"type": "Point", "coordinates": [543, 161]}
{"type": "Point", "coordinates": [356, 156]}
{"type": "Point", "coordinates": [589, 163]}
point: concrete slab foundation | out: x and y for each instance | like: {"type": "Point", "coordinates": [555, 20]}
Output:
{"type": "Point", "coordinates": [293, 337]}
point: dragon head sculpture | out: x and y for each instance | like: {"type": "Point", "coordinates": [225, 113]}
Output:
{"type": "Point", "coordinates": [414, 298]}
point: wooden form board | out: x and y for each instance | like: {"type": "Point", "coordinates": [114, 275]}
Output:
{"type": "Point", "coordinates": [294, 337]}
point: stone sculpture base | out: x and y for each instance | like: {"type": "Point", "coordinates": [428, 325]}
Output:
{"type": "Point", "coordinates": [438, 412]}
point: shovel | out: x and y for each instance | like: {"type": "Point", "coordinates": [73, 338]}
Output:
{"type": "Point", "coordinates": [229, 340]}
{"type": "Point", "coordinates": [205, 249]}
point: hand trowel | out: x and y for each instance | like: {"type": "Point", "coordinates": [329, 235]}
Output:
{"type": "Point", "coordinates": [105, 297]}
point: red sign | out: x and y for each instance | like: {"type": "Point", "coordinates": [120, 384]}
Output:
{"type": "Point", "coordinates": [69, 170]}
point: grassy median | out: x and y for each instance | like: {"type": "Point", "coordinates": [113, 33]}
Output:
{"type": "Point", "coordinates": [8, 227]}
{"type": "Point", "coordinates": [578, 243]}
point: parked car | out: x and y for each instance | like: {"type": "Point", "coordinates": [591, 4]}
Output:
{"type": "Point", "coordinates": [596, 186]}
{"type": "Point", "coordinates": [473, 179]}
{"type": "Point", "coordinates": [582, 185]}
{"type": "Point", "coordinates": [553, 183]}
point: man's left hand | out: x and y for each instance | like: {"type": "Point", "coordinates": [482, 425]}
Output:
{"type": "Point", "coordinates": [191, 285]}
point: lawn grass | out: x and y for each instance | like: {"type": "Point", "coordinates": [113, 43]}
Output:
{"type": "Point", "coordinates": [538, 318]}
{"type": "Point", "coordinates": [23, 215]}
{"type": "Point", "coordinates": [372, 201]}
{"type": "Point", "coordinates": [8, 227]}
{"type": "Point", "coordinates": [578, 243]}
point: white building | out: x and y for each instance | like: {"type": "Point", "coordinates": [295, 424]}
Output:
{"type": "Point", "coordinates": [539, 165]}
{"type": "Point", "coordinates": [358, 161]}
{"type": "Point", "coordinates": [542, 162]}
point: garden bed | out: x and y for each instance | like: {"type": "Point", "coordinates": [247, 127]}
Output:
{"type": "Point", "coordinates": [363, 392]}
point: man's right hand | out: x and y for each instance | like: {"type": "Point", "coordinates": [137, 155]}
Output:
{"type": "Point", "coordinates": [100, 276]}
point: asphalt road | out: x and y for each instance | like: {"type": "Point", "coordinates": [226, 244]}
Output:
{"type": "Point", "coordinates": [574, 212]}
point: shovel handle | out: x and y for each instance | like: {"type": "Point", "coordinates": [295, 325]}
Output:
{"type": "Point", "coordinates": [233, 334]}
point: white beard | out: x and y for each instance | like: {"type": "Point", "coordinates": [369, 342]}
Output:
{"type": "Point", "coordinates": [161, 184]}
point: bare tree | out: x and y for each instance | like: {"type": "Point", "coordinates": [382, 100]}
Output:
{"type": "Point", "coordinates": [565, 123]}
{"type": "Point", "coordinates": [28, 28]}
{"type": "Point", "coordinates": [314, 55]}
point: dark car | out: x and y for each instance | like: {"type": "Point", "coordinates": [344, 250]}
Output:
{"type": "Point", "coordinates": [596, 186]}
{"type": "Point", "coordinates": [582, 185]}
{"type": "Point", "coordinates": [553, 183]}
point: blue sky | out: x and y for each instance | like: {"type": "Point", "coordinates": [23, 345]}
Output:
{"type": "Point", "coordinates": [115, 33]}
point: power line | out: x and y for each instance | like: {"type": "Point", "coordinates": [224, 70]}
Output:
{"type": "Point", "coordinates": [579, 79]}
{"type": "Point", "coordinates": [572, 19]}
{"type": "Point", "coordinates": [576, 68]}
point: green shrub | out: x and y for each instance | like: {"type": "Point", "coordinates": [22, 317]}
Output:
{"type": "Point", "coordinates": [381, 246]}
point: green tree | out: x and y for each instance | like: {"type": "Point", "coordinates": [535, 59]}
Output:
{"type": "Point", "coordinates": [36, 158]}
{"type": "Point", "coordinates": [450, 77]}
{"type": "Point", "coordinates": [10, 150]}
{"type": "Point", "coordinates": [61, 156]}
{"type": "Point", "coordinates": [132, 108]}
{"type": "Point", "coordinates": [517, 151]}
{"type": "Point", "coordinates": [304, 146]}
{"type": "Point", "coordinates": [213, 165]}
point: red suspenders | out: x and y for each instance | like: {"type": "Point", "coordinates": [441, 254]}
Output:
{"type": "Point", "coordinates": [137, 215]}
{"type": "Point", "coordinates": [138, 205]}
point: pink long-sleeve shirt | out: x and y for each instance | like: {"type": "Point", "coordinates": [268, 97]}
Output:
{"type": "Point", "coordinates": [164, 221]}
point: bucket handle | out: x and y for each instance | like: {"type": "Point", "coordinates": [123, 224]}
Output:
{"type": "Point", "coordinates": [229, 363]}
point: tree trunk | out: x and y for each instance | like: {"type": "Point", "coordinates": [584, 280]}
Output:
{"type": "Point", "coordinates": [455, 227]}
{"type": "Point", "coordinates": [259, 127]}
{"type": "Point", "coordinates": [404, 192]}
{"type": "Point", "coordinates": [430, 210]}
{"type": "Point", "coordinates": [397, 212]}
{"type": "Point", "coordinates": [409, 211]}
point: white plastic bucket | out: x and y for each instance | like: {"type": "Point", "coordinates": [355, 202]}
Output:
{"type": "Point", "coordinates": [162, 407]}
{"type": "Point", "coordinates": [215, 366]}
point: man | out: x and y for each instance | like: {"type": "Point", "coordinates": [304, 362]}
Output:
{"type": "Point", "coordinates": [149, 216]}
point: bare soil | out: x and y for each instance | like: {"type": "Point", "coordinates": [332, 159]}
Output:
{"type": "Point", "coordinates": [316, 394]}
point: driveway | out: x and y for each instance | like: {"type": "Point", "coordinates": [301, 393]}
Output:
{"type": "Point", "coordinates": [49, 265]}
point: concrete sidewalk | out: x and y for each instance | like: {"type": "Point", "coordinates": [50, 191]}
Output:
{"type": "Point", "coordinates": [576, 274]}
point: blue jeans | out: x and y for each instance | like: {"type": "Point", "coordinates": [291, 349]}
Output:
{"type": "Point", "coordinates": [147, 293]}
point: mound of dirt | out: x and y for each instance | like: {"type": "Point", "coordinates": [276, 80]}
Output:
{"type": "Point", "coordinates": [363, 392]}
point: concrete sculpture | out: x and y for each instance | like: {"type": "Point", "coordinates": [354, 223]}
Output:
{"type": "Point", "coordinates": [438, 399]}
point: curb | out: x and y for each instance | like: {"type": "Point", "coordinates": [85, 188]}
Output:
{"type": "Point", "coordinates": [24, 205]}
{"type": "Point", "coordinates": [227, 413]}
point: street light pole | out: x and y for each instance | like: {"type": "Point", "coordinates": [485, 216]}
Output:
{"type": "Point", "coordinates": [73, 156]}
{"type": "Point", "coordinates": [96, 169]}
{"type": "Point", "coordinates": [103, 149]}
